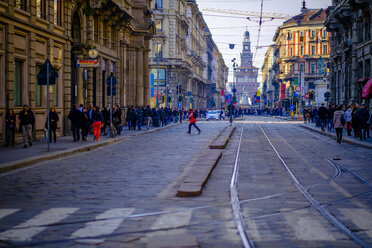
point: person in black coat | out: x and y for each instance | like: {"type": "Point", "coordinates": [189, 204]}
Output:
{"type": "Point", "coordinates": [75, 117]}
{"type": "Point", "coordinates": [85, 124]}
{"type": "Point", "coordinates": [53, 119]}
{"type": "Point", "coordinates": [26, 125]}
{"type": "Point", "coordinates": [322, 113]}
{"type": "Point", "coordinates": [10, 128]}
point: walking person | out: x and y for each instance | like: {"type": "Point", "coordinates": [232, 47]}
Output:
{"type": "Point", "coordinates": [75, 116]}
{"type": "Point", "coordinates": [339, 122]}
{"type": "Point", "coordinates": [85, 124]}
{"type": "Point", "coordinates": [10, 128]}
{"type": "Point", "coordinates": [139, 118]}
{"type": "Point", "coordinates": [53, 119]}
{"type": "Point", "coordinates": [363, 117]}
{"type": "Point", "coordinates": [97, 120]}
{"type": "Point", "coordinates": [27, 121]}
{"type": "Point", "coordinates": [348, 118]}
{"type": "Point", "coordinates": [148, 116]}
{"type": "Point", "coordinates": [116, 119]}
{"type": "Point", "coordinates": [322, 113]}
{"type": "Point", "coordinates": [192, 118]}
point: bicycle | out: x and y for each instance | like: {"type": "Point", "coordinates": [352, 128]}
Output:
{"type": "Point", "coordinates": [112, 131]}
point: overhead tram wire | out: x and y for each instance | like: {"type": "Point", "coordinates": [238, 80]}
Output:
{"type": "Point", "coordinates": [259, 30]}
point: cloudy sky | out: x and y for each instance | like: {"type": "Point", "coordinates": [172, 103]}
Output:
{"type": "Point", "coordinates": [227, 28]}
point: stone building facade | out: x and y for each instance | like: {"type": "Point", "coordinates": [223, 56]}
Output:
{"type": "Point", "coordinates": [65, 31]}
{"type": "Point", "coordinates": [301, 51]}
{"type": "Point", "coordinates": [349, 22]}
{"type": "Point", "coordinates": [184, 56]}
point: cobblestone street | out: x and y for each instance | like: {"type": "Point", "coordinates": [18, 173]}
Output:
{"type": "Point", "coordinates": [124, 194]}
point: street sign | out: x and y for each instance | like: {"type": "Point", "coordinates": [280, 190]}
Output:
{"type": "Point", "coordinates": [298, 88]}
{"type": "Point", "coordinates": [234, 90]}
{"type": "Point", "coordinates": [234, 104]}
{"type": "Point", "coordinates": [91, 63]}
{"type": "Point", "coordinates": [108, 80]}
{"type": "Point", "coordinates": [327, 95]}
{"type": "Point", "coordinates": [307, 95]}
{"type": "Point", "coordinates": [292, 107]}
{"type": "Point", "coordinates": [42, 75]}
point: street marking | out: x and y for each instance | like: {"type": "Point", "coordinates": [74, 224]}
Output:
{"type": "Point", "coordinates": [6, 212]}
{"type": "Point", "coordinates": [306, 227]}
{"type": "Point", "coordinates": [105, 223]}
{"type": "Point", "coordinates": [360, 217]}
{"type": "Point", "coordinates": [33, 226]}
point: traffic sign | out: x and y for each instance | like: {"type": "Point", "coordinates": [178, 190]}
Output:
{"type": "Point", "coordinates": [108, 81]}
{"type": "Point", "coordinates": [307, 95]}
{"type": "Point", "coordinates": [91, 63]}
{"type": "Point", "coordinates": [292, 107]}
{"type": "Point", "coordinates": [234, 104]}
{"type": "Point", "coordinates": [42, 75]}
{"type": "Point", "coordinates": [234, 90]}
{"type": "Point", "coordinates": [298, 88]}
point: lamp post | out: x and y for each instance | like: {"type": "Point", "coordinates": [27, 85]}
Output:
{"type": "Point", "coordinates": [234, 80]}
{"type": "Point", "coordinates": [157, 80]}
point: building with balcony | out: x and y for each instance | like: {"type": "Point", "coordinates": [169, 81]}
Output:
{"type": "Point", "coordinates": [301, 49]}
{"type": "Point", "coordinates": [270, 90]}
{"type": "Point", "coordinates": [349, 22]}
{"type": "Point", "coordinates": [66, 31]}
{"type": "Point", "coordinates": [185, 57]}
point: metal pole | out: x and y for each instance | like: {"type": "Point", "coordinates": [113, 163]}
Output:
{"type": "Point", "coordinates": [47, 110]}
{"type": "Point", "coordinates": [157, 82]}
{"type": "Point", "coordinates": [111, 101]}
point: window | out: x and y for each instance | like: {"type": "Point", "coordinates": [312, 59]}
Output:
{"type": "Point", "coordinates": [113, 36]}
{"type": "Point", "coordinates": [159, 25]}
{"type": "Point", "coordinates": [162, 78]}
{"type": "Point", "coordinates": [312, 68]}
{"type": "Point", "coordinates": [58, 12]}
{"type": "Point", "coordinates": [158, 4]}
{"type": "Point", "coordinates": [18, 81]}
{"type": "Point", "coordinates": [312, 33]}
{"type": "Point", "coordinates": [325, 33]}
{"type": "Point", "coordinates": [54, 89]}
{"type": "Point", "coordinates": [291, 51]}
{"type": "Point", "coordinates": [325, 49]}
{"type": "Point", "coordinates": [159, 50]}
{"type": "Point", "coordinates": [22, 4]}
{"type": "Point", "coordinates": [291, 70]}
{"type": "Point", "coordinates": [96, 28]}
{"type": "Point", "coordinates": [302, 50]}
{"type": "Point", "coordinates": [105, 33]}
{"type": "Point", "coordinates": [38, 92]}
{"type": "Point", "coordinates": [41, 8]}
{"type": "Point", "coordinates": [301, 68]}
{"type": "Point", "coordinates": [312, 50]}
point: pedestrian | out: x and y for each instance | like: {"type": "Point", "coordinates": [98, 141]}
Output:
{"type": "Point", "coordinates": [10, 128]}
{"type": "Point", "coordinates": [339, 122]}
{"type": "Point", "coordinates": [53, 119]}
{"type": "Point", "coordinates": [27, 121]}
{"type": "Point", "coordinates": [97, 120]}
{"type": "Point", "coordinates": [130, 117]}
{"type": "Point", "coordinates": [330, 112]}
{"type": "Point", "coordinates": [148, 116]}
{"type": "Point", "coordinates": [106, 119]}
{"type": "Point", "coordinates": [85, 124]}
{"type": "Point", "coordinates": [363, 117]}
{"type": "Point", "coordinates": [322, 113]}
{"type": "Point", "coordinates": [139, 118]}
{"type": "Point", "coordinates": [75, 117]}
{"type": "Point", "coordinates": [348, 120]}
{"type": "Point", "coordinates": [369, 122]}
{"type": "Point", "coordinates": [116, 119]}
{"type": "Point", "coordinates": [192, 118]}
{"type": "Point", "coordinates": [355, 121]}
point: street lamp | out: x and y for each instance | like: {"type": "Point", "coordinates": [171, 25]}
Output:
{"type": "Point", "coordinates": [234, 80]}
{"type": "Point", "coordinates": [157, 77]}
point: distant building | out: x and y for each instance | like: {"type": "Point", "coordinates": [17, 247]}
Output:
{"type": "Point", "coordinates": [351, 49]}
{"type": "Point", "coordinates": [301, 52]}
{"type": "Point", "coordinates": [246, 74]}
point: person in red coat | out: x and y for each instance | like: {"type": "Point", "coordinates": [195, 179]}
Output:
{"type": "Point", "coordinates": [192, 118]}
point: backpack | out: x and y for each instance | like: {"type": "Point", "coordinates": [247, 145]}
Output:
{"type": "Point", "coordinates": [342, 120]}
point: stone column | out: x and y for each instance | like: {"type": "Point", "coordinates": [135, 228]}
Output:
{"type": "Point", "coordinates": [90, 36]}
{"type": "Point", "coordinates": [139, 78]}
{"type": "Point", "coordinates": [132, 61]}
{"type": "Point", "coordinates": [146, 77]}
{"type": "Point", "coordinates": [80, 86]}
{"type": "Point", "coordinates": [9, 64]}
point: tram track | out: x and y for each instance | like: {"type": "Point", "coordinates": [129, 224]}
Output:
{"type": "Point", "coordinates": [321, 209]}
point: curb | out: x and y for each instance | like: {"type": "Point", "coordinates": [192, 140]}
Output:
{"type": "Point", "coordinates": [6, 167]}
{"type": "Point", "coordinates": [344, 139]}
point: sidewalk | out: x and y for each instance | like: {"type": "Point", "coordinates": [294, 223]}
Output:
{"type": "Point", "coordinates": [16, 157]}
{"type": "Point", "coordinates": [347, 139]}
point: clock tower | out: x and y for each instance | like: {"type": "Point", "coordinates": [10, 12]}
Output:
{"type": "Point", "coordinates": [246, 74]}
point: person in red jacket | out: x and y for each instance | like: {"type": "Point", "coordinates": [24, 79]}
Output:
{"type": "Point", "coordinates": [192, 118]}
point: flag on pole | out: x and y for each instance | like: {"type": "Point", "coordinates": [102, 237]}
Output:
{"type": "Point", "coordinates": [231, 46]}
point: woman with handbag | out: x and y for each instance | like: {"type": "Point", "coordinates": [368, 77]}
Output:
{"type": "Point", "coordinates": [10, 128]}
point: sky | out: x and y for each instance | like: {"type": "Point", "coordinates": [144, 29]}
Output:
{"type": "Point", "coordinates": [228, 29]}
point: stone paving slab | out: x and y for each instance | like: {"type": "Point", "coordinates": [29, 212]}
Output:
{"type": "Point", "coordinates": [365, 143]}
{"type": "Point", "coordinates": [221, 141]}
{"type": "Point", "coordinates": [14, 158]}
{"type": "Point", "coordinates": [177, 240]}
{"type": "Point", "coordinates": [197, 177]}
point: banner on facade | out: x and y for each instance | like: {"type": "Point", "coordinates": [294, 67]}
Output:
{"type": "Point", "coordinates": [222, 92]}
{"type": "Point", "coordinates": [283, 91]}
{"type": "Point", "coordinates": [152, 80]}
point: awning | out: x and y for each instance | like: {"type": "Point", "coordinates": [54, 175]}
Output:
{"type": "Point", "coordinates": [362, 82]}
{"type": "Point", "coordinates": [367, 90]}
